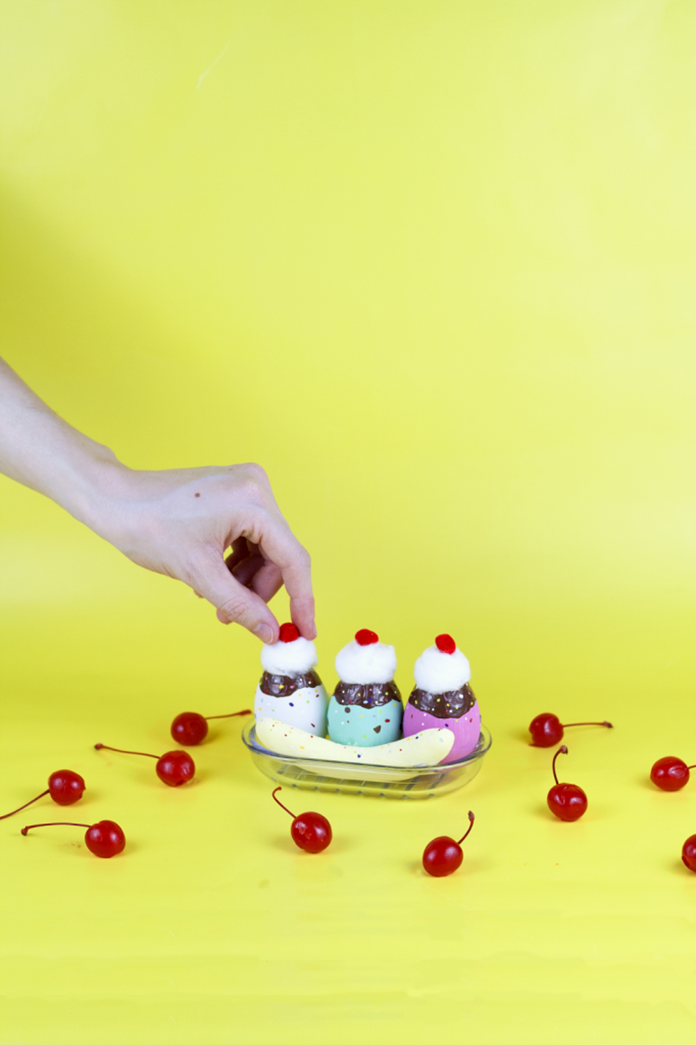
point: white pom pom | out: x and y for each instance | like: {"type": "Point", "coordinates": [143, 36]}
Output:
{"type": "Point", "coordinates": [438, 672]}
{"type": "Point", "coordinates": [362, 665]}
{"type": "Point", "coordinates": [289, 658]}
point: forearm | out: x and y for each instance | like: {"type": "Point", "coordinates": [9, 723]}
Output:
{"type": "Point", "coordinates": [43, 452]}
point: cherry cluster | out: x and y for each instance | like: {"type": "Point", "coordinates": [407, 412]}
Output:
{"type": "Point", "coordinates": [569, 802]}
{"type": "Point", "coordinates": [671, 774]}
{"type": "Point", "coordinates": [311, 831]}
{"type": "Point", "coordinates": [106, 838]}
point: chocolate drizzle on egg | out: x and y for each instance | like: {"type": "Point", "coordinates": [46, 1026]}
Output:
{"type": "Point", "coordinates": [453, 704]}
{"type": "Point", "coordinates": [286, 685]}
{"type": "Point", "coordinates": [371, 695]}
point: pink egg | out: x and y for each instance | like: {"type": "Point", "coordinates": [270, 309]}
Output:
{"type": "Point", "coordinates": [466, 729]}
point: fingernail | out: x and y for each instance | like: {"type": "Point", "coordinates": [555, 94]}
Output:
{"type": "Point", "coordinates": [264, 632]}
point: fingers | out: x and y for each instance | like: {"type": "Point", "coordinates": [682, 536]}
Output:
{"type": "Point", "coordinates": [285, 552]}
{"type": "Point", "coordinates": [245, 571]}
{"type": "Point", "coordinates": [240, 551]}
{"type": "Point", "coordinates": [267, 582]}
{"type": "Point", "coordinates": [235, 604]}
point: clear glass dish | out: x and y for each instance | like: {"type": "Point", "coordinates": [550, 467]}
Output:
{"type": "Point", "coordinates": [312, 774]}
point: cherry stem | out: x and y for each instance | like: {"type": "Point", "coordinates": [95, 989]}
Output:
{"type": "Point", "coordinates": [471, 824]}
{"type": "Point", "coordinates": [561, 751]}
{"type": "Point", "coordinates": [46, 792]}
{"type": "Point", "coordinates": [567, 725]}
{"type": "Point", "coordinates": [247, 711]}
{"type": "Point", "coordinates": [54, 823]}
{"type": "Point", "coordinates": [273, 796]}
{"type": "Point", "coordinates": [122, 751]}
{"type": "Point", "coordinates": [2, 817]}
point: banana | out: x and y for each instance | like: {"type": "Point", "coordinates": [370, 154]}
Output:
{"type": "Point", "coordinates": [427, 748]}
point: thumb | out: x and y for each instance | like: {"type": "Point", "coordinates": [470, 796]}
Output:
{"type": "Point", "coordinates": [235, 604]}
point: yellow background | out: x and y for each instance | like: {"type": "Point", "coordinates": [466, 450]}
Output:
{"type": "Point", "coordinates": [432, 264]}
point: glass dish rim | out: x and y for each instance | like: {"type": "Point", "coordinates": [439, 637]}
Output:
{"type": "Point", "coordinates": [482, 747]}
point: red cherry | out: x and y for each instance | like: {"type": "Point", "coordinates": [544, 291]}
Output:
{"type": "Point", "coordinates": [64, 787]}
{"type": "Point", "coordinates": [689, 852]}
{"type": "Point", "coordinates": [365, 637]}
{"type": "Point", "coordinates": [566, 801]}
{"type": "Point", "coordinates": [670, 773]}
{"type": "Point", "coordinates": [310, 831]}
{"type": "Point", "coordinates": [547, 730]}
{"type": "Point", "coordinates": [288, 633]}
{"type": "Point", "coordinates": [445, 644]}
{"type": "Point", "coordinates": [173, 767]}
{"type": "Point", "coordinates": [443, 855]}
{"type": "Point", "coordinates": [191, 728]}
{"type": "Point", "coordinates": [104, 839]}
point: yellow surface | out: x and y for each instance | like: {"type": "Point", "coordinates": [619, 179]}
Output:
{"type": "Point", "coordinates": [432, 264]}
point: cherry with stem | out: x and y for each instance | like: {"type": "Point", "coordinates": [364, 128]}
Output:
{"type": "Point", "coordinates": [566, 801]}
{"type": "Point", "coordinates": [670, 773]}
{"type": "Point", "coordinates": [105, 838]}
{"type": "Point", "coordinates": [191, 728]}
{"type": "Point", "coordinates": [547, 729]}
{"type": "Point", "coordinates": [64, 787]}
{"type": "Point", "coordinates": [443, 855]}
{"type": "Point", "coordinates": [173, 767]}
{"type": "Point", "coordinates": [310, 831]}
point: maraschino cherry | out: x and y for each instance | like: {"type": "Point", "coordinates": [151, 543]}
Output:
{"type": "Point", "coordinates": [670, 773]}
{"type": "Point", "coordinates": [105, 838]}
{"type": "Point", "coordinates": [310, 831]}
{"type": "Point", "coordinates": [566, 801]}
{"type": "Point", "coordinates": [64, 787]}
{"type": "Point", "coordinates": [191, 728]}
{"type": "Point", "coordinates": [689, 852]}
{"type": "Point", "coordinates": [443, 855]}
{"type": "Point", "coordinates": [173, 767]}
{"type": "Point", "coordinates": [547, 729]}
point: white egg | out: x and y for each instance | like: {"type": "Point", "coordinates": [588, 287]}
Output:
{"type": "Point", "coordinates": [304, 708]}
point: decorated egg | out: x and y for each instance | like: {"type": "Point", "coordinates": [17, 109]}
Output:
{"type": "Point", "coordinates": [366, 708]}
{"type": "Point", "coordinates": [443, 697]}
{"type": "Point", "coordinates": [290, 689]}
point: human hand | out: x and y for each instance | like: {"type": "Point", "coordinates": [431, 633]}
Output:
{"type": "Point", "coordinates": [181, 522]}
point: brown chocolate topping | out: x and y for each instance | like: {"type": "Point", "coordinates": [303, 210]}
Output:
{"type": "Point", "coordinates": [372, 695]}
{"type": "Point", "coordinates": [286, 685]}
{"type": "Point", "coordinates": [453, 704]}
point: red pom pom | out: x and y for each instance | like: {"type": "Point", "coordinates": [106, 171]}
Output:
{"type": "Point", "coordinates": [364, 637]}
{"type": "Point", "coordinates": [288, 633]}
{"type": "Point", "coordinates": [445, 644]}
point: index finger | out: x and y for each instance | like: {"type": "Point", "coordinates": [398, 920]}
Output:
{"type": "Point", "coordinates": [285, 551]}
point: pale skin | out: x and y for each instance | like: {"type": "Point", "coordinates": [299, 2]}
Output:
{"type": "Point", "coordinates": [180, 523]}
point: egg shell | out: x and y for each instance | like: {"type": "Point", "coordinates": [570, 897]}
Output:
{"type": "Point", "coordinates": [358, 726]}
{"type": "Point", "coordinates": [305, 708]}
{"type": "Point", "coordinates": [466, 729]}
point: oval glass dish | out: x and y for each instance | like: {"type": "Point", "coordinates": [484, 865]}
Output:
{"type": "Point", "coordinates": [312, 774]}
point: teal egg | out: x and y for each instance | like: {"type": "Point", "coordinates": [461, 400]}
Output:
{"type": "Point", "coordinates": [359, 726]}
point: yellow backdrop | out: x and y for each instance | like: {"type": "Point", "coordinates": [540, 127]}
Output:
{"type": "Point", "coordinates": [432, 264]}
